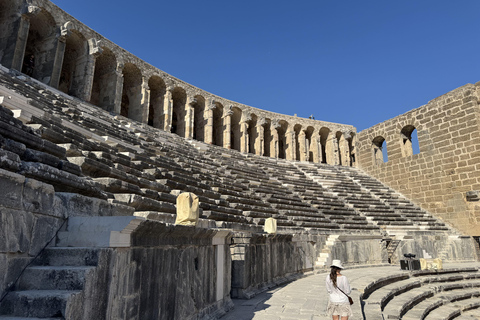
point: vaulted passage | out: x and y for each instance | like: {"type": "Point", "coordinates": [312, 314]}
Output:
{"type": "Point", "coordinates": [9, 26]}
{"type": "Point", "coordinates": [43, 44]}
{"type": "Point", "coordinates": [72, 75]}
{"type": "Point", "coordinates": [157, 94]}
{"type": "Point", "coordinates": [218, 126]}
{"type": "Point", "coordinates": [199, 121]}
{"type": "Point", "coordinates": [235, 134]}
{"type": "Point", "coordinates": [132, 96]}
{"type": "Point", "coordinates": [105, 81]}
{"type": "Point", "coordinates": [178, 116]}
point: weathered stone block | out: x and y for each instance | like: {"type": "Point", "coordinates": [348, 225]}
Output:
{"type": "Point", "coordinates": [15, 230]}
{"type": "Point", "coordinates": [11, 185]}
{"type": "Point", "coordinates": [38, 197]}
{"type": "Point", "coordinates": [187, 209]}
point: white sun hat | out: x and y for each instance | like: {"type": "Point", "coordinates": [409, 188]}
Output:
{"type": "Point", "coordinates": [337, 263]}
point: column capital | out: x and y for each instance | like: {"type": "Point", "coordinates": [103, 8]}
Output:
{"type": "Point", "coordinates": [94, 47]}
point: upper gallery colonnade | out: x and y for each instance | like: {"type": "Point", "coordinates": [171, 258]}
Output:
{"type": "Point", "coordinates": [80, 62]}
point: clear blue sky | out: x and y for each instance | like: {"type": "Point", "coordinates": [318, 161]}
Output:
{"type": "Point", "coordinates": [354, 62]}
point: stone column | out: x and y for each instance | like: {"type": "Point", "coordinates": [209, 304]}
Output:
{"type": "Point", "coordinates": [227, 134]}
{"type": "Point", "coordinates": [168, 109]}
{"type": "Point", "coordinates": [335, 157]}
{"type": "Point", "coordinates": [244, 136]}
{"type": "Point", "coordinates": [117, 104]}
{"type": "Point", "coordinates": [290, 149]}
{"type": "Point", "coordinates": [209, 127]}
{"type": "Point", "coordinates": [274, 144]}
{"type": "Point", "coordinates": [94, 52]}
{"type": "Point", "coordinates": [144, 100]}
{"type": "Point", "coordinates": [21, 42]}
{"type": "Point", "coordinates": [59, 55]}
{"type": "Point", "coordinates": [302, 141]}
{"type": "Point", "coordinates": [189, 117]}
{"type": "Point", "coordinates": [316, 147]}
{"type": "Point", "coordinates": [344, 150]}
{"type": "Point", "coordinates": [259, 142]}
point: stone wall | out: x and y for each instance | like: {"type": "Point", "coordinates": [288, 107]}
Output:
{"type": "Point", "coordinates": [444, 177]}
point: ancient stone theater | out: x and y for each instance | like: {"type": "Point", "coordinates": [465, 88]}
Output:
{"type": "Point", "coordinates": [130, 194]}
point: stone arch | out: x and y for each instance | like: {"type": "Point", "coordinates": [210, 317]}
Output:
{"type": "Point", "coordinates": [9, 28]}
{"type": "Point", "coordinates": [326, 145]}
{"type": "Point", "coordinates": [310, 147]}
{"type": "Point", "coordinates": [409, 141]}
{"type": "Point", "coordinates": [132, 92]}
{"type": "Point", "coordinates": [267, 138]}
{"type": "Point", "coordinates": [218, 126]}
{"type": "Point", "coordinates": [179, 97]}
{"type": "Point", "coordinates": [235, 134]}
{"type": "Point", "coordinates": [199, 119]}
{"type": "Point", "coordinates": [252, 133]}
{"type": "Point", "coordinates": [157, 88]}
{"type": "Point", "coordinates": [379, 150]}
{"type": "Point", "coordinates": [104, 80]}
{"type": "Point", "coordinates": [282, 138]}
{"type": "Point", "coordinates": [42, 43]}
{"type": "Point", "coordinates": [72, 74]}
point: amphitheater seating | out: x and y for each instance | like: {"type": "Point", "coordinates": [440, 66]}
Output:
{"type": "Point", "coordinates": [48, 136]}
{"type": "Point", "coordinates": [442, 294]}
{"type": "Point", "coordinates": [140, 166]}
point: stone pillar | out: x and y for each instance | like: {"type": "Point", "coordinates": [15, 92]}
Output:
{"type": "Point", "coordinates": [344, 151]}
{"type": "Point", "coordinates": [144, 101]}
{"type": "Point", "coordinates": [290, 149]}
{"type": "Point", "coordinates": [209, 127]}
{"type": "Point", "coordinates": [244, 136]}
{"type": "Point", "coordinates": [302, 141]}
{"type": "Point", "coordinates": [21, 43]}
{"type": "Point", "coordinates": [117, 105]}
{"type": "Point", "coordinates": [189, 117]}
{"type": "Point", "coordinates": [316, 148]}
{"type": "Point", "coordinates": [227, 134]}
{"type": "Point", "coordinates": [93, 52]}
{"type": "Point", "coordinates": [59, 55]}
{"type": "Point", "coordinates": [259, 142]}
{"type": "Point", "coordinates": [274, 144]}
{"type": "Point", "coordinates": [335, 157]}
{"type": "Point", "coordinates": [168, 110]}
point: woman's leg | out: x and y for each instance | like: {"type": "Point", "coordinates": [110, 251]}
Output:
{"type": "Point", "coordinates": [345, 318]}
{"type": "Point", "coordinates": [336, 317]}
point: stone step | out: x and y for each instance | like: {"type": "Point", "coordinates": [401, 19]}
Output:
{"type": "Point", "coordinates": [37, 303]}
{"type": "Point", "coordinates": [27, 318]}
{"type": "Point", "coordinates": [53, 278]}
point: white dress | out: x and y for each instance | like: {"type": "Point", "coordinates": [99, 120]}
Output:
{"type": "Point", "coordinates": [338, 303]}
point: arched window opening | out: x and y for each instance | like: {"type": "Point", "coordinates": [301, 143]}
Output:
{"type": "Point", "coordinates": [199, 120]}
{"type": "Point", "coordinates": [267, 138]}
{"type": "Point", "coordinates": [42, 44]}
{"type": "Point", "coordinates": [132, 92]}
{"type": "Point", "coordinates": [218, 126]}
{"type": "Point", "coordinates": [325, 146]}
{"type": "Point", "coordinates": [409, 141]}
{"type": "Point", "coordinates": [235, 134]}
{"type": "Point", "coordinates": [72, 76]}
{"type": "Point", "coordinates": [297, 128]}
{"type": "Point", "coordinates": [179, 97]}
{"type": "Point", "coordinates": [309, 146]}
{"type": "Point", "coordinates": [104, 81]}
{"type": "Point", "coordinates": [9, 26]}
{"type": "Point", "coordinates": [351, 148]}
{"type": "Point", "coordinates": [252, 134]}
{"type": "Point", "coordinates": [155, 109]}
{"type": "Point", "coordinates": [379, 147]}
{"type": "Point", "coordinates": [282, 139]}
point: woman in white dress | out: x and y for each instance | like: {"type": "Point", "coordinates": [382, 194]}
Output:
{"type": "Point", "coordinates": [338, 304]}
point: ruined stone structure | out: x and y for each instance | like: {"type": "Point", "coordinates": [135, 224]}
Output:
{"type": "Point", "coordinates": [443, 177]}
{"type": "Point", "coordinates": [78, 61]}
{"type": "Point", "coordinates": [97, 145]}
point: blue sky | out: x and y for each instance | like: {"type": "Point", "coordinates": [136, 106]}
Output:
{"type": "Point", "coordinates": [353, 62]}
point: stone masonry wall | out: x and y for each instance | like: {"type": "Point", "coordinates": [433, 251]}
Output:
{"type": "Point", "coordinates": [446, 170]}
